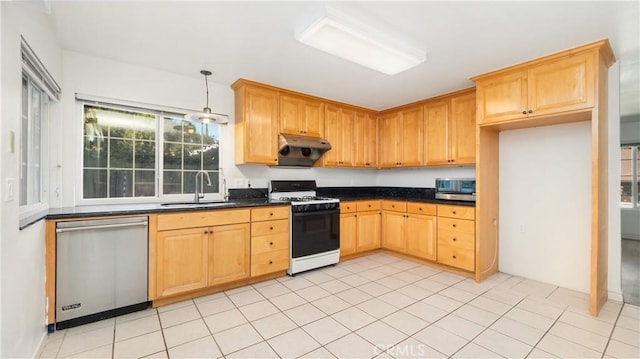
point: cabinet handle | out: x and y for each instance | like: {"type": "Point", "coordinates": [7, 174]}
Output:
{"type": "Point", "coordinates": [348, 207]}
{"type": "Point", "coordinates": [454, 239]}
{"type": "Point", "coordinates": [454, 257]}
{"type": "Point", "coordinates": [454, 226]}
{"type": "Point", "coordinates": [369, 206]}
{"type": "Point", "coordinates": [271, 262]}
{"type": "Point", "coordinates": [271, 213]}
{"type": "Point", "coordinates": [530, 111]}
{"type": "Point", "coordinates": [271, 243]}
{"type": "Point", "coordinates": [368, 164]}
{"type": "Point", "coordinates": [271, 228]}
{"type": "Point", "coordinates": [454, 212]}
{"type": "Point", "coordinates": [420, 209]}
{"type": "Point", "coordinates": [393, 206]}
{"type": "Point", "coordinates": [524, 112]}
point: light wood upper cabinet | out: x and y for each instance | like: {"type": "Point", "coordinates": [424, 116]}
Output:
{"type": "Point", "coordinates": [301, 116]}
{"type": "Point", "coordinates": [229, 251]}
{"type": "Point", "coordinates": [365, 136]}
{"type": "Point", "coordinates": [401, 138]}
{"type": "Point", "coordinates": [450, 125]}
{"type": "Point", "coordinates": [339, 133]}
{"type": "Point", "coordinates": [256, 123]}
{"type": "Point", "coordinates": [181, 260]}
{"type": "Point", "coordinates": [565, 84]}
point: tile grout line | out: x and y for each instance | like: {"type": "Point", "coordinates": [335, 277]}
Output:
{"type": "Point", "coordinates": [613, 328]}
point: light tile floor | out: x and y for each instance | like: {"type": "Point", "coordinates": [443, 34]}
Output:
{"type": "Point", "coordinates": [374, 306]}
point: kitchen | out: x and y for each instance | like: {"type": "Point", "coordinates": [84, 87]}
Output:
{"type": "Point", "coordinates": [144, 84]}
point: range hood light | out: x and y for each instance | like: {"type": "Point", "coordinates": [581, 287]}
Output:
{"type": "Point", "coordinates": [206, 116]}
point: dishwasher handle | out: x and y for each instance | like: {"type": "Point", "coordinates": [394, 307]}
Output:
{"type": "Point", "coordinates": [102, 226]}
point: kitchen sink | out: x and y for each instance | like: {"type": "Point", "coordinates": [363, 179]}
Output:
{"type": "Point", "coordinates": [196, 204]}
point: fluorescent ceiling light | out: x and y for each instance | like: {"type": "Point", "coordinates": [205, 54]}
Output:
{"type": "Point", "coordinates": [371, 46]}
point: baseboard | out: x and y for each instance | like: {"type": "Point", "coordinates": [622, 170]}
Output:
{"type": "Point", "coordinates": [615, 296]}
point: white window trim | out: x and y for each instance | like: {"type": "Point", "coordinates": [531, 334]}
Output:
{"type": "Point", "coordinates": [159, 111]}
{"type": "Point", "coordinates": [635, 201]}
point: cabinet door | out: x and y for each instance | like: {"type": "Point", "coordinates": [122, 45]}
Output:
{"type": "Point", "coordinates": [261, 128]}
{"type": "Point", "coordinates": [393, 231]}
{"type": "Point", "coordinates": [437, 133]}
{"type": "Point", "coordinates": [562, 85]}
{"type": "Point", "coordinates": [229, 251]}
{"type": "Point", "coordinates": [312, 120]}
{"type": "Point", "coordinates": [420, 232]}
{"type": "Point", "coordinates": [181, 261]}
{"type": "Point", "coordinates": [289, 115]}
{"type": "Point", "coordinates": [412, 143]}
{"type": "Point", "coordinates": [368, 231]}
{"type": "Point", "coordinates": [333, 134]}
{"type": "Point", "coordinates": [463, 130]}
{"type": "Point", "coordinates": [502, 98]}
{"type": "Point", "coordinates": [389, 139]}
{"type": "Point", "coordinates": [365, 135]}
{"type": "Point", "coordinates": [347, 143]}
{"type": "Point", "coordinates": [348, 233]}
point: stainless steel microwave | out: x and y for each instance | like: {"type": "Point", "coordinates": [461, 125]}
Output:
{"type": "Point", "coordinates": [459, 189]}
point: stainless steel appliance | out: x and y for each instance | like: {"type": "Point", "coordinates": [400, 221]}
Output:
{"type": "Point", "coordinates": [300, 151]}
{"type": "Point", "coordinates": [459, 189]}
{"type": "Point", "coordinates": [315, 225]}
{"type": "Point", "coordinates": [101, 269]}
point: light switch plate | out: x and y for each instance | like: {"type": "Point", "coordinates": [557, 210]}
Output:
{"type": "Point", "coordinates": [9, 189]}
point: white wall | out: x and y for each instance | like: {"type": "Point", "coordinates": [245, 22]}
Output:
{"type": "Point", "coordinates": [545, 204]}
{"type": "Point", "coordinates": [422, 177]}
{"type": "Point", "coordinates": [22, 252]}
{"type": "Point", "coordinates": [615, 242]}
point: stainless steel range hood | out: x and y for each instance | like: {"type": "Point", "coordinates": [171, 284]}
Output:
{"type": "Point", "coordinates": [300, 151]}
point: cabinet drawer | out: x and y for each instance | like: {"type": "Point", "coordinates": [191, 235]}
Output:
{"type": "Point", "coordinates": [455, 257]}
{"type": "Point", "coordinates": [269, 227]}
{"type": "Point", "coordinates": [273, 242]}
{"type": "Point", "coordinates": [269, 262]}
{"type": "Point", "coordinates": [268, 213]}
{"type": "Point", "coordinates": [202, 219]}
{"type": "Point", "coordinates": [396, 206]}
{"type": "Point", "coordinates": [422, 208]}
{"type": "Point", "coordinates": [368, 206]}
{"type": "Point", "coordinates": [348, 207]}
{"type": "Point", "coordinates": [456, 239]}
{"type": "Point", "coordinates": [456, 225]}
{"type": "Point", "coordinates": [456, 212]}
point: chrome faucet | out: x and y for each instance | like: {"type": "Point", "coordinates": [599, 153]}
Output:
{"type": "Point", "coordinates": [197, 194]}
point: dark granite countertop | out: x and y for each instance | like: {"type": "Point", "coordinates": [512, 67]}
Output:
{"type": "Point", "coordinates": [409, 194]}
{"type": "Point", "coordinates": [131, 209]}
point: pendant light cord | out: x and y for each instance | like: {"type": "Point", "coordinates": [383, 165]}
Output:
{"type": "Point", "coordinates": [206, 84]}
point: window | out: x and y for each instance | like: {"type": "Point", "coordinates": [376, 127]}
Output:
{"type": "Point", "coordinates": [139, 153]}
{"type": "Point", "coordinates": [630, 176]}
{"type": "Point", "coordinates": [35, 107]}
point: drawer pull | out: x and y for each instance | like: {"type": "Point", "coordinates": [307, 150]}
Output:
{"type": "Point", "coordinates": [454, 226]}
{"type": "Point", "coordinates": [348, 207]}
{"type": "Point", "coordinates": [454, 257]}
{"type": "Point", "coordinates": [271, 243]}
{"type": "Point", "coordinates": [393, 206]}
{"type": "Point", "coordinates": [271, 228]}
{"type": "Point", "coordinates": [369, 206]}
{"type": "Point", "coordinates": [271, 262]}
{"type": "Point", "coordinates": [271, 213]}
{"type": "Point", "coordinates": [420, 209]}
{"type": "Point", "coordinates": [454, 212]}
{"type": "Point", "coordinates": [454, 239]}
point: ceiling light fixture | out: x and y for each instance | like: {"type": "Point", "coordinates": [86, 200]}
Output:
{"type": "Point", "coordinates": [377, 46]}
{"type": "Point", "coordinates": [206, 115]}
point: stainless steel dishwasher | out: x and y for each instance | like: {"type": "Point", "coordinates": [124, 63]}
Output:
{"type": "Point", "coordinates": [101, 269]}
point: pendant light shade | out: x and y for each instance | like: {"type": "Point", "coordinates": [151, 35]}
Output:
{"type": "Point", "coordinates": [206, 115]}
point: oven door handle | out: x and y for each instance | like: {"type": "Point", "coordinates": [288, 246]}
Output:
{"type": "Point", "coordinates": [314, 213]}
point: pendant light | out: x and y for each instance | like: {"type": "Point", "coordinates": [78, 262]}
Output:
{"type": "Point", "coordinates": [206, 115]}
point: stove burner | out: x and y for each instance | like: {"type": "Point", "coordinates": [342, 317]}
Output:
{"type": "Point", "coordinates": [301, 199]}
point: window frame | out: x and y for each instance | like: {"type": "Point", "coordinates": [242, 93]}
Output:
{"type": "Point", "coordinates": [160, 112]}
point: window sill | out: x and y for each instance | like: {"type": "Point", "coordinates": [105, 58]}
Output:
{"type": "Point", "coordinates": [32, 214]}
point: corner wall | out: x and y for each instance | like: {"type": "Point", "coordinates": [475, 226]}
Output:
{"type": "Point", "coordinates": [21, 252]}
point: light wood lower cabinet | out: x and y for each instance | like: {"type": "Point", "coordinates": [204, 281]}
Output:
{"type": "Point", "coordinates": [359, 227]}
{"type": "Point", "coordinates": [410, 228]}
{"type": "Point", "coordinates": [456, 236]}
{"type": "Point", "coordinates": [269, 240]}
{"type": "Point", "coordinates": [229, 250]}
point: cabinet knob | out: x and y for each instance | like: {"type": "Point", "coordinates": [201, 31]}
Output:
{"type": "Point", "coordinates": [271, 262]}
{"type": "Point", "coordinates": [271, 243]}
{"type": "Point", "coordinates": [420, 209]}
{"type": "Point", "coordinates": [454, 239]}
{"type": "Point", "coordinates": [271, 213]}
{"type": "Point", "coordinates": [454, 226]}
{"type": "Point", "coordinates": [530, 111]}
{"type": "Point", "coordinates": [369, 206]}
{"type": "Point", "coordinates": [524, 112]}
{"type": "Point", "coordinates": [271, 228]}
{"type": "Point", "coordinates": [348, 207]}
{"type": "Point", "coordinates": [393, 206]}
{"type": "Point", "coordinates": [368, 164]}
{"type": "Point", "coordinates": [454, 212]}
{"type": "Point", "coordinates": [454, 257]}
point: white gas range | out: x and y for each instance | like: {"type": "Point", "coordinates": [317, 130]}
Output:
{"type": "Point", "coordinates": [315, 225]}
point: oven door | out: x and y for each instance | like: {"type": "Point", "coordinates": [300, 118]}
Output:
{"type": "Point", "coordinates": [315, 232]}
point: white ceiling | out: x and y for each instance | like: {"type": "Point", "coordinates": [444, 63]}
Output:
{"type": "Point", "coordinates": [255, 40]}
